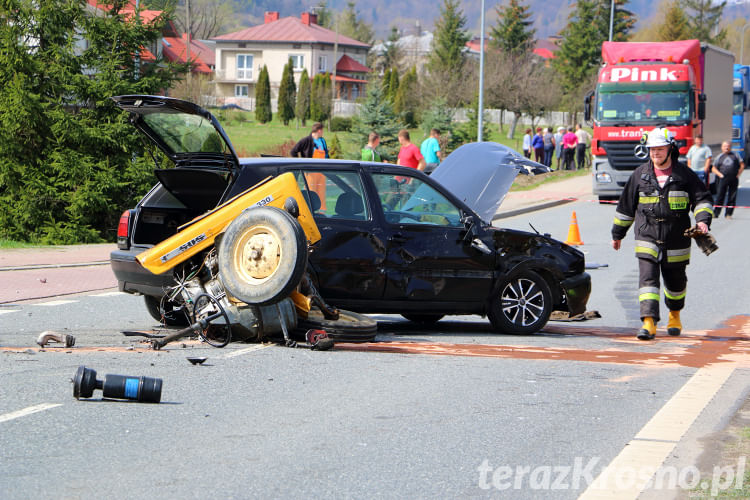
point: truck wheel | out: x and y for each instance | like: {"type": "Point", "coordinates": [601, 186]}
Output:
{"type": "Point", "coordinates": [425, 319]}
{"type": "Point", "coordinates": [522, 304]}
{"type": "Point", "coordinates": [262, 255]}
{"type": "Point", "coordinates": [350, 327]}
{"type": "Point", "coordinates": [163, 312]}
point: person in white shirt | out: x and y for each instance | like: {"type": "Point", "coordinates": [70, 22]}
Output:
{"type": "Point", "coordinates": [584, 139]}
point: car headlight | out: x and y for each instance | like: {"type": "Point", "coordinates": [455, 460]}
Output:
{"type": "Point", "coordinates": [603, 177]}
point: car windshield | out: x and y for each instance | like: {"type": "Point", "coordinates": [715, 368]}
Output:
{"type": "Point", "coordinates": [185, 133]}
{"type": "Point", "coordinates": [632, 107]}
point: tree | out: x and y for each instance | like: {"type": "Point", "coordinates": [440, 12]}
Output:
{"type": "Point", "coordinates": [393, 84]}
{"type": "Point", "coordinates": [392, 55]}
{"type": "Point", "coordinates": [208, 18]}
{"type": "Point", "coordinates": [70, 158]}
{"type": "Point", "coordinates": [675, 25]}
{"type": "Point", "coordinates": [325, 17]}
{"type": "Point", "coordinates": [302, 110]}
{"type": "Point", "coordinates": [334, 150]}
{"type": "Point", "coordinates": [263, 111]}
{"type": "Point", "coordinates": [351, 25]}
{"type": "Point", "coordinates": [447, 72]}
{"type": "Point", "coordinates": [624, 21]}
{"type": "Point", "coordinates": [376, 114]}
{"type": "Point", "coordinates": [406, 102]}
{"type": "Point", "coordinates": [287, 94]}
{"type": "Point", "coordinates": [320, 97]}
{"type": "Point", "coordinates": [579, 52]}
{"type": "Point", "coordinates": [704, 18]}
{"type": "Point", "coordinates": [449, 39]}
{"type": "Point", "coordinates": [513, 32]}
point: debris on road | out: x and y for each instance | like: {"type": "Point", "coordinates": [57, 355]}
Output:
{"type": "Point", "coordinates": [197, 360]}
{"type": "Point", "coordinates": [62, 338]}
{"type": "Point", "coordinates": [142, 389]}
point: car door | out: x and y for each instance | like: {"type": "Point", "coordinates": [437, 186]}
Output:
{"type": "Point", "coordinates": [428, 257]}
{"type": "Point", "coordinates": [348, 260]}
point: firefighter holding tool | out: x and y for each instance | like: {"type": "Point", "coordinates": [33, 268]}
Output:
{"type": "Point", "coordinates": [657, 201]}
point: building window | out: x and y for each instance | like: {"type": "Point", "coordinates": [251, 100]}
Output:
{"type": "Point", "coordinates": [240, 90]}
{"type": "Point", "coordinates": [244, 67]}
{"type": "Point", "coordinates": [298, 61]}
{"type": "Point", "coordinates": [322, 64]}
{"type": "Point", "coordinates": [355, 91]}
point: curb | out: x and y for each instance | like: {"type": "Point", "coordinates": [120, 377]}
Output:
{"type": "Point", "coordinates": [54, 266]}
{"type": "Point", "coordinates": [531, 208]}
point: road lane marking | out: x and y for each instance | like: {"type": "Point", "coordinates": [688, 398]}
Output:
{"type": "Point", "coordinates": [56, 303]}
{"type": "Point", "coordinates": [28, 411]}
{"type": "Point", "coordinates": [109, 294]}
{"type": "Point", "coordinates": [240, 352]}
{"type": "Point", "coordinates": [3, 311]}
{"type": "Point", "coordinates": [648, 450]}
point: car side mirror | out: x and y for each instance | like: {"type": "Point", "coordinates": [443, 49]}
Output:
{"type": "Point", "coordinates": [587, 106]}
{"type": "Point", "coordinates": [702, 106]}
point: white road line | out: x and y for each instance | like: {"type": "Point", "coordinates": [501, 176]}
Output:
{"type": "Point", "coordinates": [629, 472]}
{"type": "Point", "coordinates": [6, 311]}
{"type": "Point", "coordinates": [108, 294]}
{"type": "Point", "coordinates": [240, 352]}
{"type": "Point", "coordinates": [56, 303]}
{"type": "Point", "coordinates": [28, 411]}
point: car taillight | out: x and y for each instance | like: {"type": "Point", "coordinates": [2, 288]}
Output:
{"type": "Point", "coordinates": [123, 230]}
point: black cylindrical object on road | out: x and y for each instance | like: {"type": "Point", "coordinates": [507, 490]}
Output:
{"type": "Point", "coordinates": [143, 389]}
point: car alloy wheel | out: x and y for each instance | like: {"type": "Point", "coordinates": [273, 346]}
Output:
{"type": "Point", "coordinates": [522, 305]}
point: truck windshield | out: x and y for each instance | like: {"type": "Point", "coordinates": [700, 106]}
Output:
{"type": "Point", "coordinates": [632, 107]}
{"type": "Point", "coordinates": [737, 103]}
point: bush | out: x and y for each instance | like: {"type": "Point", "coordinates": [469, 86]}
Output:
{"type": "Point", "coordinates": [341, 124]}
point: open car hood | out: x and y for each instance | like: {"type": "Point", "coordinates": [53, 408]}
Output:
{"type": "Point", "coordinates": [481, 173]}
{"type": "Point", "coordinates": [188, 134]}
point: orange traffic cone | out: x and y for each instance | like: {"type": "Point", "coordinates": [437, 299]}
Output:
{"type": "Point", "coordinates": [574, 236]}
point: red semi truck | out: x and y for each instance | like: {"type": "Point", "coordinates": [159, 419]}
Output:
{"type": "Point", "coordinates": [685, 86]}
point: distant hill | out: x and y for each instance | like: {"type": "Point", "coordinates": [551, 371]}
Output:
{"type": "Point", "coordinates": [409, 15]}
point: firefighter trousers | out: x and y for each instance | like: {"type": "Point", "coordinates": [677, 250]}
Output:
{"type": "Point", "coordinates": [675, 285]}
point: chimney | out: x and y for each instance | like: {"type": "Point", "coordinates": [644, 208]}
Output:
{"type": "Point", "coordinates": [309, 18]}
{"type": "Point", "coordinates": [269, 17]}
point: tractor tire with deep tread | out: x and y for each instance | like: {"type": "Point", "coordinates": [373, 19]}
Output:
{"type": "Point", "coordinates": [522, 304]}
{"type": "Point", "coordinates": [262, 255]}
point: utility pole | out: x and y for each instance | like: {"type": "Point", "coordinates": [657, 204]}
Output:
{"type": "Point", "coordinates": [187, 50]}
{"type": "Point", "coordinates": [335, 63]}
{"type": "Point", "coordinates": [480, 107]}
{"type": "Point", "coordinates": [611, 19]}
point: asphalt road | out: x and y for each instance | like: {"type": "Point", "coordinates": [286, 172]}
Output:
{"type": "Point", "coordinates": [453, 411]}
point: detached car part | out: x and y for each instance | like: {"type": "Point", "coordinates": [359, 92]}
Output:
{"type": "Point", "coordinates": [62, 338]}
{"type": "Point", "coordinates": [142, 389]}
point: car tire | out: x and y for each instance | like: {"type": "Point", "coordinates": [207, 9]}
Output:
{"type": "Point", "coordinates": [350, 327]}
{"type": "Point", "coordinates": [425, 319]}
{"type": "Point", "coordinates": [169, 316]}
{"type": "Point", "coordinates": [262, 255]}
{"type": "Point", "coordinates": [521, 305]}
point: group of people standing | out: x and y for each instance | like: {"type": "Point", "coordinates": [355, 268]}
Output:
{"type": "Point", "coordinates": [425, 158]}
{"type": "Point", "coordinates": [568, 146]}
{"type": "Point", "coordinates": [727, 168]}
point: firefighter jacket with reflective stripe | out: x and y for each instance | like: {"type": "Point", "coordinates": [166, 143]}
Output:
{"type": "Point", "coordinates": [661, 215]}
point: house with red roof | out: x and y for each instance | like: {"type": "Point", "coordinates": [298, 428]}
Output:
{"type": "Point", "coordinates": [240, 55]}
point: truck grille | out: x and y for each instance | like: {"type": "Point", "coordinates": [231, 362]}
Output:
{"type": "Point", "coordinates": [735, 133]}
{"type": "Point", "coordinates": [620, 154]}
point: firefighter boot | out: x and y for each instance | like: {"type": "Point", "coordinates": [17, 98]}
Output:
{"type": "Point", "coordinates": [648, 330]}
{"type": "Point", "coordinates": [674, 326]}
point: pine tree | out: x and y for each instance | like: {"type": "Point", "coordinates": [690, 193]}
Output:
{"type": "Point", "coordinates": [325, 17]}
{"type": "Point", "coordinates": [513, 32]}
{"type": "Point", "coordinates": [287, 94]}
{"type": "Point", "coordinates": [376, 114]}
{"type": "Point", "coordinates": [334, 148]}
{"type": "Point", "coordinates": [393, 84]}
{"type": "Point", "coordinates": [406, 102]}
{"type": "Point", "coordinates": [449, 40]}
{"type": "Point", "coordinates": [704, 18]}
{"type": "Point", "coordinates": [70, 157]}
{"type": "Point", "coordinates": [624, 20]}
{"type": "Point", "coordinates": [320, 97]}
{"type": "Point", "coordinates": [579, 52]}
{"type": "Point", "coordinates": [351, 25]}
{"type": "Point", "coordinates": [263, 112]}
{"type": "Point", "coordinates": [302, 110]}
{"type": "Point", "coordinates": [675, 25]}
{"type": "Point", "coordinates": [392, 54]}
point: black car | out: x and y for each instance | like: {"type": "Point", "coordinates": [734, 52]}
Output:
{"type": "Point", "coordinates": [393, 239]}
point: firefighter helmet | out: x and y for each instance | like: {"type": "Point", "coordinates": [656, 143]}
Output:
{"type": "Point", "coordinates": [659, 137]}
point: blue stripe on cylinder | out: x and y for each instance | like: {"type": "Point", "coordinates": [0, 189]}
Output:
{"type": "Point", "coordinates": [131, 388]}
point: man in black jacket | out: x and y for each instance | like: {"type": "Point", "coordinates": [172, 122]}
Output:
{"type": "Point", "coordinates": [728, 168]}
{"type": "Point", "coordinates": [658, 198]}
{"type": "Point", "coordinates": [313, 145]}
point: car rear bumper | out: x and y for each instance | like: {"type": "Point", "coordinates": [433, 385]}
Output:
{"type": "Point", "coordinates": [132, 277]}
{"type": "Point", "coordinates": [577, 290]}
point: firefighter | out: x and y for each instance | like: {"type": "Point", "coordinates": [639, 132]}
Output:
{"type": "Point", "coordinates": [658, 198]}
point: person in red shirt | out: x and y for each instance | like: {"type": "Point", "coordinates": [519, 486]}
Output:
{"type": "Point", "coordinates": [409, 154]}
{"type": "Point", "coordinates": [570, 141]}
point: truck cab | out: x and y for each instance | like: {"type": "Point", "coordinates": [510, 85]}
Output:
{"type": "Point", "coordinates": [741, 111]}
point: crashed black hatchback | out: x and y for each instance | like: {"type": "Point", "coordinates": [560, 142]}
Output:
{"type": "Point", "coordinates": [393, 239]}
